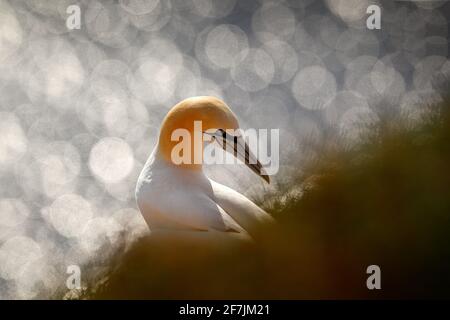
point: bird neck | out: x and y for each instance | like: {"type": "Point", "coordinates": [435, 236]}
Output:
{"type": "Point", "coordinates": [182, 147]}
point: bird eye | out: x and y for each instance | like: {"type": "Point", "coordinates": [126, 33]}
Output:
{"type": "Point", "coordinates": [221, 132]}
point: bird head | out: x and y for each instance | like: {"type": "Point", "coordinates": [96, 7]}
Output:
{"type": "Point", "coordinates": [184, 127]}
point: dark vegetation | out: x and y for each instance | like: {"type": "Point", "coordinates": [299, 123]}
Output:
{"type": "Point", "coordinates": [384, 202]}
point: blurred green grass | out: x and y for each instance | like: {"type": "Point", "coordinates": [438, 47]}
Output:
{"type": "Point", "coordinates": [385, 201]}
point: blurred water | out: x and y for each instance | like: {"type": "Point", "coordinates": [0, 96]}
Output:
{"type": "Point", "coordinates": [80, 109]}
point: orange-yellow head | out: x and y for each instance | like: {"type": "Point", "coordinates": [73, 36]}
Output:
{"type": "Point", "coordinates": [213, 114]}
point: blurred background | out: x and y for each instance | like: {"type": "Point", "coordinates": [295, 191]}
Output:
{"type": "Point", "coordinates": [80, 112]}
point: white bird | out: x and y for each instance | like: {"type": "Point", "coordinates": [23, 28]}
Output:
{"type": "Point", "coordinates": [179, 199]}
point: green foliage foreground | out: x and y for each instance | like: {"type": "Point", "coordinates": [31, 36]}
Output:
{"type": "Point", "coordinates": [384, 202]}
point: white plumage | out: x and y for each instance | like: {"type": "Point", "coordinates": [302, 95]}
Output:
{"type": "Point", "coordinates": [175, 199]}
{"type": "Point", "coordinates": [179, 200]}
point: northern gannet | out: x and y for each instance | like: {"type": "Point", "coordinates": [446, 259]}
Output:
{"type": "Point", "coordinates": [180, 197]}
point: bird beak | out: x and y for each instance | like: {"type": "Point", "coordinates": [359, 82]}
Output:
{"type": "Point", "coordinates": [236, 145]}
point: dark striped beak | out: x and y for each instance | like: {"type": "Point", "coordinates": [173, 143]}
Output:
{"type": "Point", "coordinates": [236, 145]}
